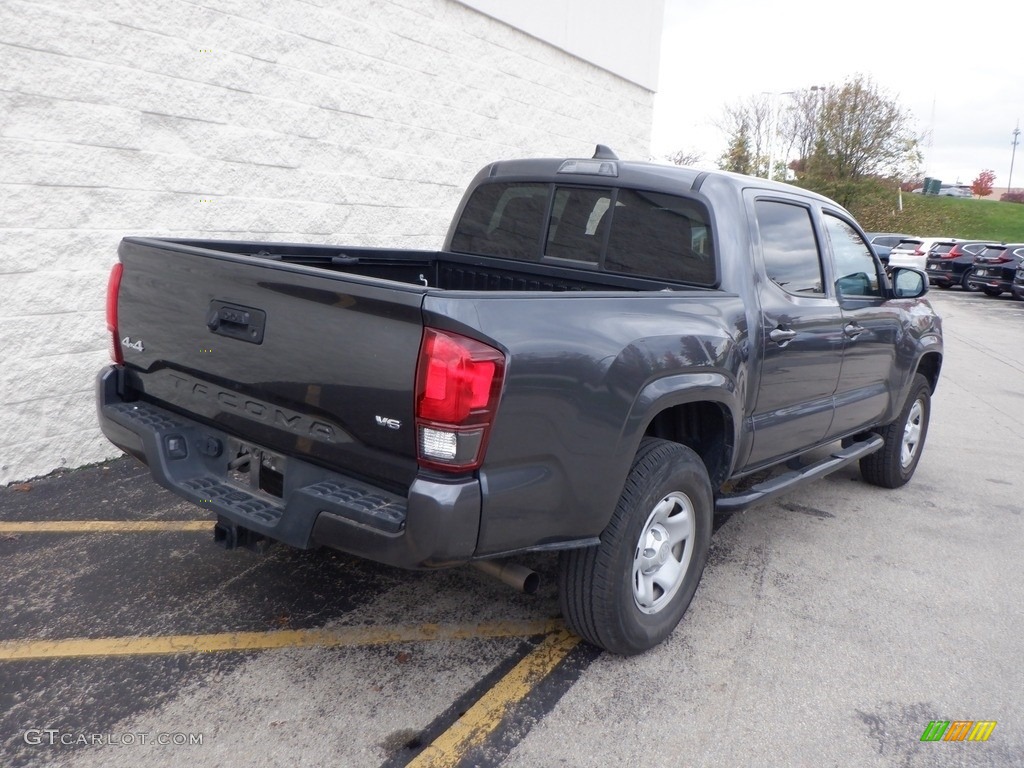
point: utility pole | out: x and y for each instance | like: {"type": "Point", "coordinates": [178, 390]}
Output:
{"type": "Point", "coordinates": [1013, 153]}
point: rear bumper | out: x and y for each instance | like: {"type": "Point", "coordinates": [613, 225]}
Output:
{"type": "Point", "coordinates": [989, 281]}
{"type": "Point", "coordinates": [938, 276]}
{"type": "Point", "coordinates": [435, 525]}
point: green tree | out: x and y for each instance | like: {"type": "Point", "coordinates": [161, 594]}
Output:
{"type": "Point", "coordinates": [861, 133]}
{"type": "Point", "coordinates": [737, 156]}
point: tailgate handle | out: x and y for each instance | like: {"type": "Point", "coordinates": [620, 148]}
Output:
{"type": "Point", "coordinates": [236, 321]}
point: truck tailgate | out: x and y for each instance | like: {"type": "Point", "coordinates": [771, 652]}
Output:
{"type": "Point", "coordinates": [296, 359]}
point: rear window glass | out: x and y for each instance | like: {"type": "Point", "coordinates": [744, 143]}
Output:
{"type": "Point", "coordinates": [888, 242]}
{"type": "Point", "coordinates": [578, 224]}
{"type": "Point", "coordinates": [658, 235]}
{"type": "Point", "coordinates": [942, 248]}
{"type": "Point", "coordinates": [994, 251]}
{"type": "Point", "coordinates": [503, 220]}
{"type": "Point", "coordinates": [646, 234]}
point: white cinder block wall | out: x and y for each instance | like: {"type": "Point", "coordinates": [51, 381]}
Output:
{"type": "Point", "coordinates": [341, 121]}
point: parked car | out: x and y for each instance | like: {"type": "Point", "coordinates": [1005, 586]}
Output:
{"type": "Point", "coordinates": [996, 267]}
{"type": "Point", "coordinates": [1017, 289]}
{"type": "Point", "coordinates": [913, 251]}
{"type": "Point", "coordinates": [949, 262]}
{"type": "Point", "coordinates": [888, 239]}
{"type": "Point", "coordinates": [955, 191]}
{"type": "Point", "coordinates": [882, 243]}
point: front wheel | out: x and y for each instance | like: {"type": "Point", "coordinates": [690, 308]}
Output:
{"type": "Point", "coordinates": [627, 594]}
{"type": "Point", "coordinates": [894, 463]}
{"type": "Point", "coordinates": [967, 286]}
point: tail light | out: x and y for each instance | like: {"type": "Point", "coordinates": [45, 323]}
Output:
{"type": "Point", "coordinates": [1002, 258]}
{"type": "Point", "coordinates": [113, 288]}
{"type": "Point", "coordinates": [458, 384]}
{"type": "Point", "coordinates": [919, 252]}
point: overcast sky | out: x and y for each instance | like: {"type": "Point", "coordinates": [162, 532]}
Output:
{"type": "Point", "coordinates": [964, 58]}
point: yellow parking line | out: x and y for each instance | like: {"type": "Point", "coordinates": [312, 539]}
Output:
{"type": "Point", "coordinates": [104, 526]}
{"type": "Point", "coordinates": [482, 718]}
{"type": "Point", "coordinates": [15, 650]}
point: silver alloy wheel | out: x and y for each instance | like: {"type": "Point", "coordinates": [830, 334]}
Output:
{"type": "Point", "coordinates": [663, 552]}
{"type": "Point", "coordinates": [911, 434]}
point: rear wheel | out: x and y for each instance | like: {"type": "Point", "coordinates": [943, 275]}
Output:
{"type": "Point", "coordinates": [945, 286]}
{"type": "Point", "coordinates": [993, 292]}
{"type": "Point", "coordinates": [894, 463]}
{"type": "Point", "coordinates": [627, 594]}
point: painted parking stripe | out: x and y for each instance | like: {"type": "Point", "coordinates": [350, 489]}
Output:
{"type": "Point", "coordinates": [474, 727]}
{"type": "Point", "coordinates": [104, 526]}
{"type": "Point", "coordinates": [20, 650]}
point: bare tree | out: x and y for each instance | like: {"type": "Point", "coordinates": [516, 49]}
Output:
{"type": "Point", "coordinates": [682, 157]}
{"type": "Point", "coordinates": [798, 123]}
{"type": "Point", "coordinates": [747, 123]}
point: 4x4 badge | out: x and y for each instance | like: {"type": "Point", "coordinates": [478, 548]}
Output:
{"type": "Point", "coordinates": [136, 345]}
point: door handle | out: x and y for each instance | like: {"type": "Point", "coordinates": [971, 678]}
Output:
{"type": "Point", "coordinates": [853, 330]}
{"type": "Point", "coordinates": [782, 336]}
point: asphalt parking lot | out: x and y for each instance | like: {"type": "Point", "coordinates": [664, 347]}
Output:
{"type": "Point", "coordinates": [830, 628]}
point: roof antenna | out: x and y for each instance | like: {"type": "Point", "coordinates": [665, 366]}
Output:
{"type": "Point", "coordinates": [604, 153]}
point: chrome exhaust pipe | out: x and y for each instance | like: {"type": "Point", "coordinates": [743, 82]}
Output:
{"type": "Point", "coordinates": [517, 576]}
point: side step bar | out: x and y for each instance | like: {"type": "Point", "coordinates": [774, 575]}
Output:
{"type": "Point", "coordinates": [776, 486]}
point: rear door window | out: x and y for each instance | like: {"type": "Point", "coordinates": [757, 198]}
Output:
{"type": "Point", "coordinates": [790, 248]}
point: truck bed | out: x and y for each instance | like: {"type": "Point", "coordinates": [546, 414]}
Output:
{"type": "Point", "coordinates": [445, 270]}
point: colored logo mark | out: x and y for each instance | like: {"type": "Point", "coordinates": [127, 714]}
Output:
{"type": "Point", "coordinates": [958, 730]}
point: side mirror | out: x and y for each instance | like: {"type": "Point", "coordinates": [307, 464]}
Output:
{"type": "Point", "coordinates": [908, 283]}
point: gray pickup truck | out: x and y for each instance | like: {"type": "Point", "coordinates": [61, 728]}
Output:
{"type": "Point", "coordinates": [599, 356]}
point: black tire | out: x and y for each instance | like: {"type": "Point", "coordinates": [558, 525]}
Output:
{"type": "Point", "coordinates": [890, 467]}
{"type": "Point", "coordinates": [599, 586]}
{"type": "Point", "coordinates": [964, 284]}
{"type": "Point", "coordinates": [944, 286]}
{"type": "Point", "coordinates": [993, 292]}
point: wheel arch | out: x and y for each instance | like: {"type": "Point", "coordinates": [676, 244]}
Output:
{"type": "Point", "coordinates": [703, 426]}
{"type": "Point", "coordinates": [929, 366]}
{"type": "Point", "coordinates": [699, 411]}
